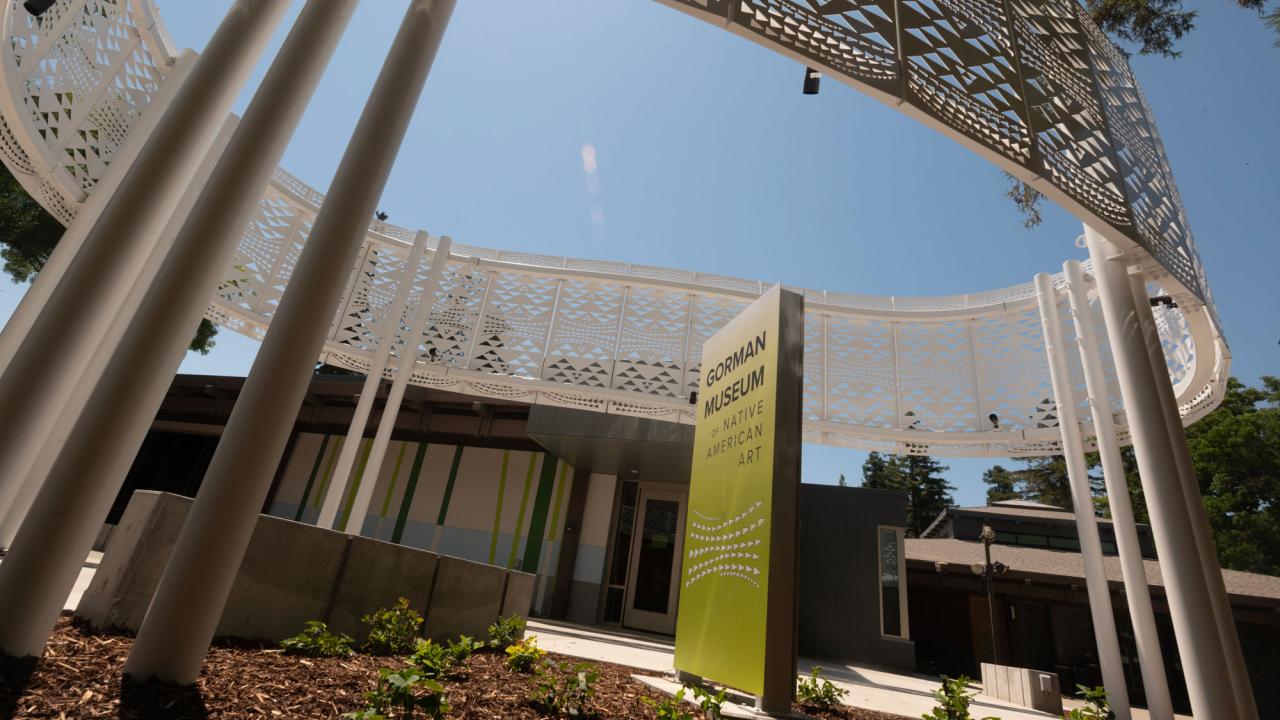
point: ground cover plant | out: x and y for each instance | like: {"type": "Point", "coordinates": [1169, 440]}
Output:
{"type": "Point", "coordinates": [80, 677]}
{"type": "Point", "coordinates": [318, 641]}
{"type": "Point", "coordinates": [393, 630]}
{"type": "Point", "coordinates": [1096, 706]}
{"type": "Point", "coordinates": [953, 700]}
{"type": "Point", "coordinates": [505, 632]}
{"type": "Point", "coordinates": [818, 693]}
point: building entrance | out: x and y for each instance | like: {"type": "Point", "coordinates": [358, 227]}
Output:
{"type": "Point", "coordinates": [654, 567]}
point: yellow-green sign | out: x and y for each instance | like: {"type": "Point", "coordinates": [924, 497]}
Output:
{"type": "Point", "coordinates": [736, 622]}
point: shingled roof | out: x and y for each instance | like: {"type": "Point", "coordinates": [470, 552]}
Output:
{"type": "Point", "coordinates": [1069, 565]}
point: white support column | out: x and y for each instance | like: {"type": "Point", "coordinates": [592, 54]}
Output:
{"type": "Point", "coordinates": [1200, 649]}
{"type": "Point", "coordinates": [1095, 574]}
{"type": "Point", "coordinates": [1241, 688]}
{"type": "Point", "coordinates": [372, 381]}
{"type": "Point", "coordinates": [404, 370]}
{"type": "Point", "coordinates": [38, 463]}
{"type": "Point", "coordinates": [1154, 681]}
{"type": "Point", "coordinates": [63, 520]}
{"type": "Point", "coordinates": [202, 568]}
{"type": "Point", "coordinates": [13, 480]}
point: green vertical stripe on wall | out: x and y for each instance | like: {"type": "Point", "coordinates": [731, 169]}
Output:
{"type": "Point", "coordinates": [538, 522]}
{"type": "Point", "coordinates": [448, 486]}
{"type": "Point", "coordinates": [555, 512]}
{"type": "Point", "coordinates": [524, 504]}
{"type": "Point", "coordinates": [311, 479]}
{"type": "Point", "coordinates": [497, 514]}
{"type": "Point", "coordinates": [345, 514]}
{"type": "Point", "coordinates": [328, 472]}
{"type": "Point", "coordinates": [409, 490]}
{"type": "Point", "coordinates": [395, 474]}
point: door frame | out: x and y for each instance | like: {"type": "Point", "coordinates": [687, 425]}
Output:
{"type": "Point", "coordinates": [646, 619]}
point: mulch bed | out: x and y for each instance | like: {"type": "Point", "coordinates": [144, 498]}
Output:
{"type": "Point", "coordinates": [79, 677]}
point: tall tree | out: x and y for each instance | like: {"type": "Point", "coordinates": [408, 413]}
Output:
{"type": "Point", "coordinates": [920, 476]}
{"type": "Point", "coordinates": [1236, 453]}
{"type": "Point", "coordinates": [28, 236]}
{"type": "Point", "coordinates": [1002, 484]}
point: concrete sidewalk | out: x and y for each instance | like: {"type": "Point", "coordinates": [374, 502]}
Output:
{"type": "Point", "coordinates": [890, 691]}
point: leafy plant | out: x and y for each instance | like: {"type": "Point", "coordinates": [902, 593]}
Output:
{"type": "Point", "coordinates": [953, 700]}
{"type": "Point", "coordinates": [709, 704]}
{"type": "Point", "coordinates": [400, 694]}
{"type": "Point", "coordinates": [433, 660]}
{"type": "Point", "coordinates": [394, 630]}
{"type": "Point", "coordinates": [1096, 706]}
{"type": "Point", "coordinates": [525, 655]}
{"type": "Point", "coordinates": [569, 693]}
{"type": "Point", "coordinates": [506, 631]}
{"type": "Point", "coordinates": [670, 709]}
{"type": "Point", "coordinates": [318, 641]}
{"type": "Point", "coordinates": [818, 692]}
{"type": "Point", "coordinates": [460, 650]}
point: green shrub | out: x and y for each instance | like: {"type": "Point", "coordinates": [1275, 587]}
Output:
{"type": "Point", "coordinates": [394, 630]}
{"type": "Point", "coordinates": [401, 693]}
{"type": "Point", "coordinates": [1096, 708]}
{"type": "Point", "coordinates": [433, 660]}
{"type": "Point", "coordinates": [818, 692]}
{"type": "Point", "coordinates": [570, 692]}
{"type": "Point", "coordinates": [670, 709]}
{"type": "Point", "coordinates": [506, 631]}
{"type": "Point", "coordinates": [709, 704]}
{"type": "Point", "coordinates": [317, 641]}
{"type": "Point", "coordinates": [525, 655]}
{"type": "Point", "coordinates": [953, 700]}
{"type": "Point", "coordinates": [460, 650]}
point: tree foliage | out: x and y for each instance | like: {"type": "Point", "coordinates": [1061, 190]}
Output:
{"type": "Point", "coordinates": [1236, 452]}
{"type": "Point", "coordinates": [1041, 479]}
{"type": "Point", "coordinates": [920, 476]}
{"type": "Point", "coordinates": [28, 236]}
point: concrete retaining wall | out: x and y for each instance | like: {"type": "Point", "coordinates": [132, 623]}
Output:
{"type": "Point", "coordinates": [1035, 689]}
{"type": "Point", "coordinates": [293, 572]}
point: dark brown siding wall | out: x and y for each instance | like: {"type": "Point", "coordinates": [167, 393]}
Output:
{"type": "Point", "coordinates": [839, 579]}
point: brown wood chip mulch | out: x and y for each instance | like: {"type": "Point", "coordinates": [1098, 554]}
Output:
{"type": "Point", "coordinates": [79, 677]}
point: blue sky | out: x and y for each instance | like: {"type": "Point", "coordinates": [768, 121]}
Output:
{"type": "Point", "coordinates": [709, 158]}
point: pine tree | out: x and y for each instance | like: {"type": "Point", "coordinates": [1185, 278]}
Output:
{"type": "Point", "coordinates": [920, 476]}
{"type": "Point", "coordinates": [1002, 484]}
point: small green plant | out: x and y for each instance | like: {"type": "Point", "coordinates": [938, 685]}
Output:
{"type": "Point", "coordinates": [401, 694]}
{"type": "Point", "coordinates": [953, 700]}
{"type": "Point", "coordinates": [433, 660]}
{"type": "Point", "coordinates": [460, 650]}
{"type": "Point", "coordinates": [394, 630]}
{"type": "Point", "coordinates": [670, 709]}
{"type": "Point", "coordinates": [817, 692]}
{"type": "Point", "coordinates": [506, 631]}
{"type": "Point", "coordinates": [525, 655]}
{"type": "Point", "coordinates": [318, 641]}
{"type": "Point", "coordinates": [709, 704]}
{"type": "Point", "coordinates": [566, 692]}
{"type": "Point", "coordinates": [1096, 705]}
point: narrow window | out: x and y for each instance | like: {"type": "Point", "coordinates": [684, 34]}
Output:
{"type": "Point", "coordinates": [892, 584]}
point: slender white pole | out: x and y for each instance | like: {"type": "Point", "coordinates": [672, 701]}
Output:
{"type": "Point", "coordinates": [1241, 688]}
{"type": "Point", "coordinates": [59, 529]}
{"type": "Point", "coordinates": [19, 323]}
{"type": "Point", "coordinates": [1203, 662]}
{"type": "Point", "coordinates": [1095, 574]}
{"type": "Point", "coordinates": [1154, 681]}
{"type": "Point", "coordinates": [39, 461]}
{"type": "Point", "coordinates": [404, 370]}
{"type": "Point", "coordinates": [390, 327]}
{"type": "Point", "coordinates": [206, 557]}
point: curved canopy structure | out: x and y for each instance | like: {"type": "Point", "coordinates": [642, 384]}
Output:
{"type": "Point", "coordinates": [1031, 86]}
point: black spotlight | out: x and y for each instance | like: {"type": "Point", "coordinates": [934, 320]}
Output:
{"type": "Point", "coordinates": [995, 420]}
{"type": "Point", "coordinates": [811, 80]}
{"type": "Point", "coordinates": [38, 7]}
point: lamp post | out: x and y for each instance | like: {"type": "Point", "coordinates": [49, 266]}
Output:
{"type": "Point", "coordinates": [988, 536]}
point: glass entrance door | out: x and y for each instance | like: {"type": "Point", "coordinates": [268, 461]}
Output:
{"type": "Point", "coordinates": [652, 583]}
